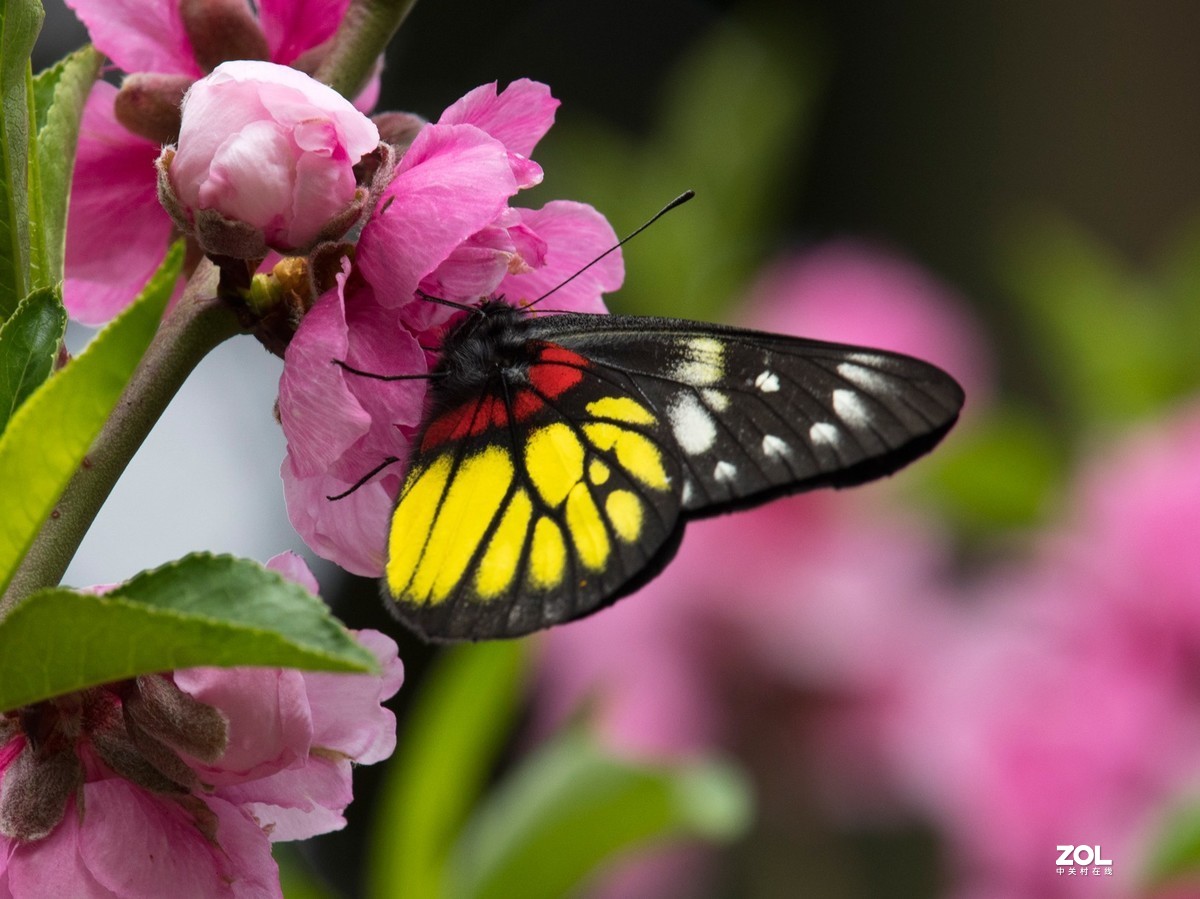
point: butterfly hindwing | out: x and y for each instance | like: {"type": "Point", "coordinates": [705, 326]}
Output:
{"type": "Point", "coordinates": [532, 505]}
{"type": "Point", "coordinates": [564, 454]}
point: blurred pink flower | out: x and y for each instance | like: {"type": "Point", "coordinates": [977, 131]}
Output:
{"type": "Point", "coordinates": [117, 232]}
{"type": "Point", "coordinates": [177, 784]}
{"type": "Point", "coordinates": [1061, 707]}
{"type": "Point", "coordinates": [444, 227]}
{"type": "Point", "coordinates": [265, 146]}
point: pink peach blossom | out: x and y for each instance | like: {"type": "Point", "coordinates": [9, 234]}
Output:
{"type": "Point", "coordinates": [267, 146]}
{"type": "Point", "coordinates": [177, 784]}
{"type": "Point", "coordinates": [117, 232]}
{"type": "Point", "coordinates": [444, 227]}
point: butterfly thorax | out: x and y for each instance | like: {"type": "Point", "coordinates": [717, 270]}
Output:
{"type": "Point", "coordinates": [493, 373]}
{"type": "Point", "coordinates": [484, 345]}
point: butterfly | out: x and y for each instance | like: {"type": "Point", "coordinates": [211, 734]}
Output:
{"type": "Point", "coordinates": [562, 455]}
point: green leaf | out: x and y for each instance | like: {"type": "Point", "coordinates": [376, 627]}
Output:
{"type": "Point", "coordinates": [47, 438]}
{"type": "Point", "coordinates": [201, 610]}
{"type": "Point", "coordinates": [29, 344]}
{"type": "Point", "coordinates": [1176, 853]}
{"type": "Point", "coordinates": [571, 807]}
{"type": "Point", "coordinates": [59, 95]}
{"type": "Point", "coordinates": [460, 721]}
{"type": "Point", "coordinates": [20, 21]}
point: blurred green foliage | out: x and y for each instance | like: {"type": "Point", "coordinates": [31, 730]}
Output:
{"type": "Point", "coordinates": [546, 825]}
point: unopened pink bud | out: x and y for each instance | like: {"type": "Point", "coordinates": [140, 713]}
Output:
{"type": "Point", "coordinates": [270, 151]}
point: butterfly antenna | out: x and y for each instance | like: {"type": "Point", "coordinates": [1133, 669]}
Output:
{"type": "Point", "coordinates": [678, 201]}
{"type": "Point", "coordinates": [442, 301]}
{"type": "Point", "coordinates": [423, 376]}
{"type": "Point", "coordinates": [370, 474]}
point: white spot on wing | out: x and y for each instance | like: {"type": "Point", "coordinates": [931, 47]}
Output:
{"type": "Point", "coordinates": [864, 377]}
{"type": "Point", "coordinates": [693, 427]}
{"type": "Point", "coordinates": [725, 471]}
{"type": "Point", "coordinates": [823, 432]}
{"type": "Point", "coordinates": [767, 381]}
{"type": "Point", "coordinates": [773, 446]}
{"type": "Point", "coordinates": [849, 407]}
{"type": "Point", "coordinates": [704, 363]}
{"type": "Point", "coordinates": [867, 359]}
{"type": "Point", "coordinates": [688, 493]}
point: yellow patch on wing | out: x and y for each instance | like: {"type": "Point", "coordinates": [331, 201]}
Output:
{"type": "Point", "coordinates": [704, 363]}
{"type": "Point", "coordinates": [462, 512]}
{"type": "Point", "coordinates": [621, 408]}
{"type": "Point", "coordinates": [554, 459]}
{"type": "Point", "coordinates": [547, 555]}
{"type": "Point", "coordinates": [587, 530]}
{"type": "Point", "coordinates": [412, 521]}
{"type": "Point", "coordinates": [499, 564]}
{"type": "Point", "coordinates": [598, 472]}
{"type": "Point", "coordinates": [624, 511]}
{"type": "Point", "coordinates": [636, 454]}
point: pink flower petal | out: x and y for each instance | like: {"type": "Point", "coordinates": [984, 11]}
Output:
{"type": "Point", "coordinates": [246, 848]}
{"type": "Point", "coordinates": [139, 35]}
{"type": "Point", "coordinates": [50, 867]}
{"type": "Point", "coordinates": [518, 117]}
{"type": "Point", "coordinates": [574, 234]}
{"type": "Point", "coordinates": [320, 415]}
{"type": "Point", "coordinates": [453, 181]}
{"type": "Point", "coordinates": [268, 715]}
{"type": "Point", "coordinates": [352, 531]}
{"type": "Point", "coordinates": [347, 715]}
{"type": "Point", "coordinates": [294, 568]}
{"type": "Point", "coordinates": [142, 847]}
{"type": "Point", "coordinates": [117, 232]}
{"type": "Point", "coordinates": [297, 803]}
{"type": "Point", "coordinates": [294, 26]}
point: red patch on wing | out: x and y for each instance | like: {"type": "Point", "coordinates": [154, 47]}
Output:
{"type": "Point", "coordinates": [526, 403]}
{"type": "Point", "coordinates": [468, 420]}
{"type": "Point", "coordinates": [556, 370]}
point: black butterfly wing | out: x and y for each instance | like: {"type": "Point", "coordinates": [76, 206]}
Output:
{"type": "Point", "coordinates": [553, 491]}
{"type": "Point", "coordinates": [757, 415]}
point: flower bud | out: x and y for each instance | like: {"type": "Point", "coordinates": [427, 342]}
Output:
{"type": "Point", "coordinates": [265, 160]}
{"type": "Point", "coordinates": [148, 105]}
{"type": "Point", "coordinates": [220, 30]}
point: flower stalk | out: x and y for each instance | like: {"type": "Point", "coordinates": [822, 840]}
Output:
{"type": "Point", "coordinates": [197, 324]}
{"type": "Point", "coordinates": [365, 31]}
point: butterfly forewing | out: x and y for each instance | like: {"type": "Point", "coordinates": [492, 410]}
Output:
{"type": "Point", "coordinates": [755, 415]}
{"type": "Point", "coordinates": [559, 476]}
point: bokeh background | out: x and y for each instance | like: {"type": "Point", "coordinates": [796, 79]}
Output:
{"type": "Point", "coordinates": [930, 683]}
